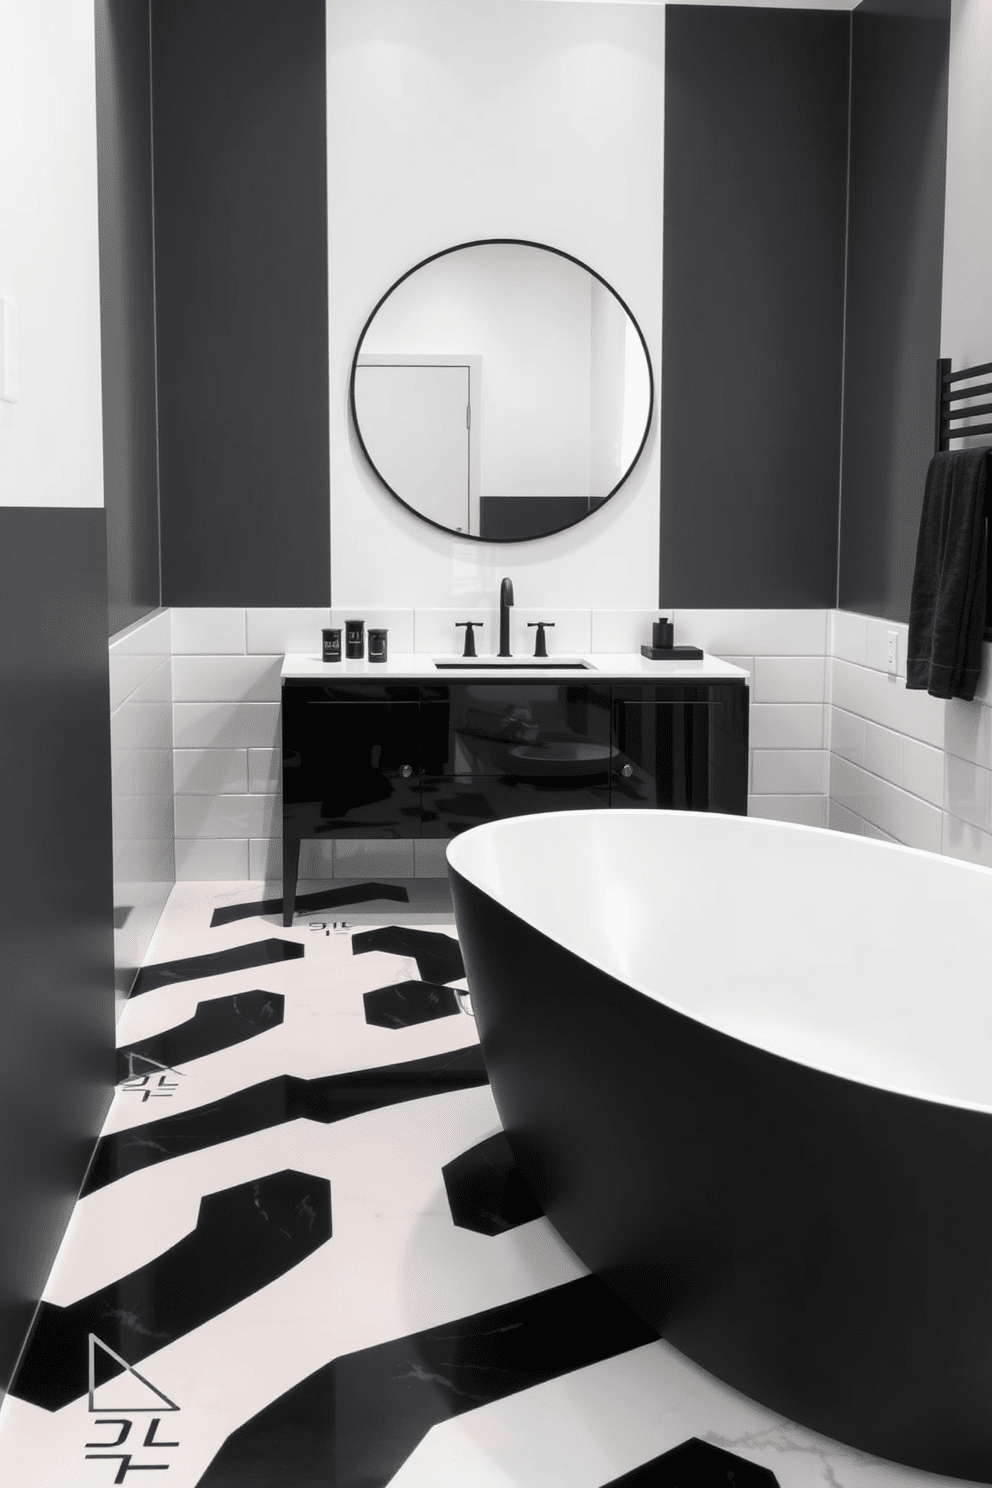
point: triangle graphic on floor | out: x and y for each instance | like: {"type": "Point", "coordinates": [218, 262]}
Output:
{"type": "Point", "coordinates": [135, 1061]}
{"type": "Point", "coordinates": [131, 1393]}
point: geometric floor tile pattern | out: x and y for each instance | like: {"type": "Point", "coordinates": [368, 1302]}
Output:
{"type": "Point", "coordinates": [341, 1279]}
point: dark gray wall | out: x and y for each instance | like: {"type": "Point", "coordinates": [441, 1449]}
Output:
{"type": "Point", "coordinates": [755, 187]}
{"type": "Point", "coordinates": [239, 113]}
{"type": "Point", "coordinates": [898, 154]}
{"type": "Point", "coordinates": [127, 318]}
{"type": "Point", "coordinates": [56, 888]}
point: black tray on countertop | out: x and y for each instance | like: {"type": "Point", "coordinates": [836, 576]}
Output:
{"type": "Point", "coordinates": [672, 653]}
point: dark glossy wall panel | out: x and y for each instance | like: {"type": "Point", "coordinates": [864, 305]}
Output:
{"type": "Point", "coordinates": [755, 185]}
{"type": "Point", "coordinates": [56, 888]}
{"type": "Point", "coordinates": [241, 261]}
{"type": "Point", "coordinates": [898, 154]}
{"type": "Point", "coordinates": [127, 308]}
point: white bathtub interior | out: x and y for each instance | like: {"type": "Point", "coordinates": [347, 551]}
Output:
{"type": "Point", "coordinates": [855, 957]}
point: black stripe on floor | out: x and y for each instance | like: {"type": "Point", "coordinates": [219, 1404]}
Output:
{"type": "Point", "coordinates": [219, 1024]}
{"type": "Point", "coordinates": [215, 963]}
{"type": "Point", "coordinates": [438, 957]}
{"type": "Point", "coordinates": [245, 1237]}
{"type": "Point", "coordinates": [697, 1464]}
{"type": "Point", "coordinates": [363, 893]}
{"type": "Point", "coordinates": [273, 1102]}
{"type": "Point", "coordinates": [405, 1004]}
{"type": "Point", "coordinates": [356, 1421]}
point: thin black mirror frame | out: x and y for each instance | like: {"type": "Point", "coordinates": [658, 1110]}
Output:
{"type": "Point", "coordinates": [487, 243]}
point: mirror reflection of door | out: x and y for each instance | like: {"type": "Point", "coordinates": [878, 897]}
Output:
{"type": "Point", "coordinates": [417, 416]}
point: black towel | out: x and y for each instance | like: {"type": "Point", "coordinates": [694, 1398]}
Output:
{"type": "Point", "coordinates": [947, 610]}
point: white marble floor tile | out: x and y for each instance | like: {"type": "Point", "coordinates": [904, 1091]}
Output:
{"type": "Point", "coordinates": [394, 1266]}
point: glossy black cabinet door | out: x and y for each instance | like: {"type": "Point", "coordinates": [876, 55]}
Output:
{"type": "Point", "coordinates": [682, 748]}
{"type": "Point", "coordinates": [350, 768]}
{"type": "Point", "coordinates": [493, 750]}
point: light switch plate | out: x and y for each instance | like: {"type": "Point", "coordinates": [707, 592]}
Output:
{"type": "Point", "coordinates": [9, 379]}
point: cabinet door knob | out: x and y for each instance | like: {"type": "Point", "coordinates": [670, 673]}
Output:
{"type": "Point", "coordinates": [406, 771]}
{"type": "Point", "coordinates": [627, 771]}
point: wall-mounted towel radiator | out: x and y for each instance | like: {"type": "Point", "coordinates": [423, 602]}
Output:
{"type": "Point", "coordinates": [953, 423]}
{"type": "Point", "coordinates": [949, 420]}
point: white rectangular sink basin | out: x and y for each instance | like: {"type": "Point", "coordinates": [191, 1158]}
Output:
{"type": "Point", "coordinates": [512, 664]}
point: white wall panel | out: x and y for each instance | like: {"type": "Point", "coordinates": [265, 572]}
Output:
{"type": "Point", "coordinates": [966, 321]}
{"type": "Point", "coordinates": [449, 122]}
{"type": "Point", "coordinates": [51, 438]}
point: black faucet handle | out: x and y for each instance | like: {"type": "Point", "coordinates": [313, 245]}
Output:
{"type": "Point", "coordinates": [540, 642]}
{"type": "Point", "coordinates": [469, 635]}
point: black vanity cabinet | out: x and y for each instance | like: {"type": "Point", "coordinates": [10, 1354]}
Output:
{"type": "Point", "coordinates": [421, 759]}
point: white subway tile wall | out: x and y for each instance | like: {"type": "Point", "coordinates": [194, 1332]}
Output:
{"type": "Point", "coordinates": [225, 721]}
{"type": "Point", "coordinates": [142, 780]}
{"type": "Point", "coordinates": [617, 631]}
{"type": "Point", "coordinates": [217, 632]}
{"type": "Point", "coordinates": [784, 653]}
{"type": "Point", "coordinates": [271, 632]}
{"type": "Point", "coordinates": [905, 766]}
{"type": "Point", "coordinates": [435, 632]}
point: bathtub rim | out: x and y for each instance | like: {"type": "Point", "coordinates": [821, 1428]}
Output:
{"type": "Point", "coordinates": [456, 849]}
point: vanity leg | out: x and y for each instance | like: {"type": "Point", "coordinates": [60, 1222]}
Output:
{"type": "Point", "coordinates": [290, 870]}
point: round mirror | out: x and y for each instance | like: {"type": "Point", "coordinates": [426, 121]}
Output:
{"type": "Point", "coordinates": [502, 390]}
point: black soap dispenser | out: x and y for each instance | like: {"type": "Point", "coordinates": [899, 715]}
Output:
{"type": "Point", "coordinates": [663, 646]}
{"type": "Point", "coordinates": [662, 635]}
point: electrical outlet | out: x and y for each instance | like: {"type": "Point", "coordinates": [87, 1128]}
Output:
{"type": "Point", "coordinates": [892, 651]}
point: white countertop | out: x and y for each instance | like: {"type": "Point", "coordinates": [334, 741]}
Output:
{"type": "Point", "coordinates": [601, 667]}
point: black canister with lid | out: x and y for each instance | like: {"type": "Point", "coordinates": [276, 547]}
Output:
{"type": "Point", "coordinates": [354, 639]}
{"type": "Point", "coordinates": [662, 634]}
{"type": "Point", "coordinates": [331, 644]}
{"type": "Point", "coordinates": [377, 644]}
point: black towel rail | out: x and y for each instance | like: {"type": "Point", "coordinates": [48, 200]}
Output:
{"type": "Point", "coordinates": [950, 422]}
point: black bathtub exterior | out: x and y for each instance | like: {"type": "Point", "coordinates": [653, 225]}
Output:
{"type": "Point", "coordinates": [821, 1245]}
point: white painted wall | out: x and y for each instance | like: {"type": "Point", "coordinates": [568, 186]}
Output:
{"type": "Point", "coordinates": [502, 118]}
{"type": "Point", "coordinates": [966, 325]}
{"type": "Point", "coordinates": [527, 316]}
{"type": "Point", "coordinates": [51, 439]}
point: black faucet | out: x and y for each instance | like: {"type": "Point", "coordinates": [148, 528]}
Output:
{"type": "Point", "coordinates": [505, 602]}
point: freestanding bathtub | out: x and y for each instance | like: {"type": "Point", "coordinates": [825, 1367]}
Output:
{"type": "Point", "coordinates": [746, 1068]}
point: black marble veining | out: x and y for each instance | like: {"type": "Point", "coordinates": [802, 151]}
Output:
{"type": "Point", "coordinates": [487, 1191]}
{"type": "Point", "coordinates": [403, 1004]}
